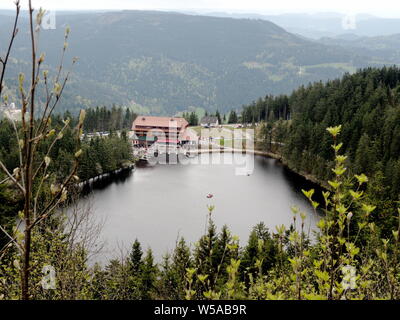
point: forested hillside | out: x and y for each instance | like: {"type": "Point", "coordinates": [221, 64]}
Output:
{"type": "Point", "coordinates": [164, 63]}
{"type": "Point", "coordinates": [367, 104]}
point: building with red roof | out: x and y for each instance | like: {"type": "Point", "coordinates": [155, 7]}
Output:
{"type": "Point", "coordinates": [166, 130]}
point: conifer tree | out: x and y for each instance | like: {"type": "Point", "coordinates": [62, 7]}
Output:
{"type": "Point", "coordinates": [135, 257]}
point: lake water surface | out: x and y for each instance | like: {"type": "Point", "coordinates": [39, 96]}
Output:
{"type": "Point", "coordinates": [156, 204]}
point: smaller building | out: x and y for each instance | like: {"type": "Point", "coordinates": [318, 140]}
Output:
{"type": "Point", "coordinates": [209, 122]}
{"type": "Point", "coordinates": [189, 137]}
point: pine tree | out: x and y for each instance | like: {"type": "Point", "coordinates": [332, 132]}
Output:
{"type": "Point", "coordinates": [364, 155]}
{"type": "Point", "coordinates": [149, 273]}
{"type": "Point", "coordinates": [205, 253]}
{"type": "Point", "coordinates": [193, 119]}
{"type": "Point", "coordinates": [260, 247]}
{"type": "Point", "coordinates": [218, 115]}
{"type": "Point", "coordinates": [223, 254]}
{"type": "Point", "coordinates": [232, 117]}
{"type": "Point", "coordinates": [135, 257]}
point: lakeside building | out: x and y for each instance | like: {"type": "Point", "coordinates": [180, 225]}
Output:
{"type": "Point", "coordinates": [209, 122]}
{"type": "Point", "coordinates": [10, 111]}
{"type": "Point", "coordinates": [163, 130]}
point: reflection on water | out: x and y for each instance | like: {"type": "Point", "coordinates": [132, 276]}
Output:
{"type": "Point", "coordinates": [157, 204]}
{"type": "Point", "coordinates": [104, 181]}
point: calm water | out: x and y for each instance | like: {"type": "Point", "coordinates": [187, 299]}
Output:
{"type": "Point", "coordinates": [156, 204]}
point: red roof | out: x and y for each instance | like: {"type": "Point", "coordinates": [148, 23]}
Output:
{"type": "Point", "coordinates": [163, 122]}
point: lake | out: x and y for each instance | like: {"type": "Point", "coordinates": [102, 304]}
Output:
{"type": "Point", "coordinates": [159, 203]}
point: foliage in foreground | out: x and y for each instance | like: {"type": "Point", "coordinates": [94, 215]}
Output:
{"type": "Point", "coordinates": [100, 155]}
{"type": "Point", "coordinates": [348, 258]}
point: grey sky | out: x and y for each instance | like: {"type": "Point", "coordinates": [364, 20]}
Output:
{"type": "Point", "coordinates": [387, 8]}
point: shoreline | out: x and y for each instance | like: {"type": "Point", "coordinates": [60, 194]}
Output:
{"type": "Point", "coordinates": [275, 156]}
{"type": "Point", "coordinates": [306, 176]}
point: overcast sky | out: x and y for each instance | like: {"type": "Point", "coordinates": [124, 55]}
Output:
{"type": "Point", "coordinates": [387, 8]}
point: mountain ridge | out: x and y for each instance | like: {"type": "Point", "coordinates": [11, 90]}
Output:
{"type": "Point", "coordinates": [164, 63]}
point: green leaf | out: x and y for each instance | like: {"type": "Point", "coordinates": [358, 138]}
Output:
{"type": "Point", "coordinates": [334, 184]}
{"type": "Point", "coordinates": [362, 178]}
{"type": "Point", "coordinates": [334, 131]}
{"type": "Point", "coordinates": [308, 193]}
{"type": "Point", "coordinates": [368, 208]}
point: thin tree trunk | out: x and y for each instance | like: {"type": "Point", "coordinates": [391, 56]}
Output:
{"type": "Point", "coordinates": [28, 169]}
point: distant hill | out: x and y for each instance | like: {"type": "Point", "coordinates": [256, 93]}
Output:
{"type": "Point", "coordinates": [324, 24]}
{"type": "Point", "coordinates": [164, 63]}
{"type": "Point", "coordinates": [380, 48]}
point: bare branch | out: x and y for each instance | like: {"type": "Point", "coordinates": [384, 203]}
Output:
{"type": "Point", "coordinates": [3, 167]}
{"type": "Point", "coordinates": [46, 120]}
{"type": "Point", "coordinates": [12, 239]}
{"type": "Point", "coordinates": [19, 149]}
{"type": "Point", "coordinates": [5, 180]}
{"type": "Point", "coordinates": [55, 201]}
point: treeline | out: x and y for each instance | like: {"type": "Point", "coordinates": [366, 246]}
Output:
{"type": "Point", "coordinates": [268, 109]}
{"type": "Point", "coordinates": [367, 104]}
{"type": "Point", "coordinates": [191, 117]}
{"type": "Point", "coordinates": [102, 119]}
{"type": "Point", "coordinates": [182, 274]}
{"type": "Point", "coordinates": [208, 265]}
{"type": "Point", "coordinates": [99, 154]}
{"type": "Point", "coordinates": [104, 155]}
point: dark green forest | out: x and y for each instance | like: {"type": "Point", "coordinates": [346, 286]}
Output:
{"type": "Point", "coordinates": [105, 119]}
{"type": "Point", "coordinates": [367, 104]}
